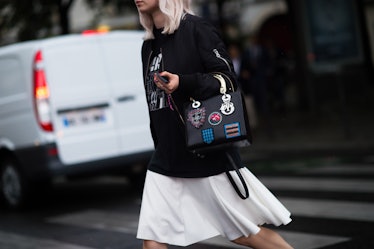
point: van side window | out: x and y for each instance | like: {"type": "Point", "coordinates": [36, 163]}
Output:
{"type": "Point", "coordinates": [11, 83]}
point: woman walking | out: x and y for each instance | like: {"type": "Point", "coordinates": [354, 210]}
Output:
{"type": "Point", "coordinates": [188, 197]}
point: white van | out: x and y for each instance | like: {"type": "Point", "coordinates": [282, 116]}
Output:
{"type": "Point", "coordinates": [70, 105]}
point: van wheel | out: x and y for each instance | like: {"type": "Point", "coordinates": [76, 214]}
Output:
{"type": "Point", "coordinates": [12, 185]}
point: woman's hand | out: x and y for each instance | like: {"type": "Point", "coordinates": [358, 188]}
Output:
{"type": "Point", "coordinates": [170, 86]}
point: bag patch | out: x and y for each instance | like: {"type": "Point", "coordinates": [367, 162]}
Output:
{"type": "Point", "coordinates": [197, 117]}
{"type": "Point", "coordinates": [208, 135]}
{"type": "Point", "coordinates": [232, 130]}
{"type": "Point", "coordinates": [215, 118]}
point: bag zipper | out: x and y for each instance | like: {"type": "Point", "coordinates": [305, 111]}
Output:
{"type": "Point", "coordinates": [218, 55]}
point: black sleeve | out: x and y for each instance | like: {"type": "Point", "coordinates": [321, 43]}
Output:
{"type": "Point", "coordinates": [215, 59]}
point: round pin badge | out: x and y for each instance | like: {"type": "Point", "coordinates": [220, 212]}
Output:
{"type": "Point", "coordinates": [215, 118]}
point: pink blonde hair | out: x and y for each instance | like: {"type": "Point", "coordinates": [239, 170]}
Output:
{"type": "Point", "coordinates": [173, 10]}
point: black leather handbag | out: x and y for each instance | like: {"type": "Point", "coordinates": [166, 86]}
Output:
{"type": "Point", "coordinates": [217, 122]}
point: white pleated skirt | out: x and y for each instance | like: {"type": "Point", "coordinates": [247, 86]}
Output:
{"type": "Point", "coordinates": [184, 211]}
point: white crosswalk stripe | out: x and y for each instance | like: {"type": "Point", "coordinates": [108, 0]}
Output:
{"type": "Point", "coordinates": [325, 184]}
{"type": "Point", "coordinates": [298, 240]}
{"type": "Point", "coordinates": [97, 219]}
{"type": "Point", "coordinates": [330, 209]}
{"type": "Point", "coordinates": [16, 241]}
{"type": "Point", "coordinates": [341, 170]}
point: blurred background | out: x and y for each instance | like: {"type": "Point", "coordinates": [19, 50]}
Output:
{"type": "Point", "coordinates": [306, 66]}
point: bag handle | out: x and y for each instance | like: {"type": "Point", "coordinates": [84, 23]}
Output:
{"type": "Point", "coordinates": [223, 89]}
{"type": "Point", "coordinates": [233, 183]}
{"type": "Point", "coordinates": [226, 78]}
{"type": "Point", "coordinates": [222, 81]}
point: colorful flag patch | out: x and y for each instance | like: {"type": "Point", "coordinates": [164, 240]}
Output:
{"type": "Point", "coordinates": [232, 130]}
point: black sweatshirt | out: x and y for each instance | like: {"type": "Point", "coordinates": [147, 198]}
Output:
{"type": "Point", "coordinates": [193, 52]}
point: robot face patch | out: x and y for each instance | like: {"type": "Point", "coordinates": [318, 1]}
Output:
{"type": "Point", "coordinates": [197, 117]}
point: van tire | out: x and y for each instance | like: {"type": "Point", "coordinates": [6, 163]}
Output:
{"type": "Point", "coordinates": [12, 184]}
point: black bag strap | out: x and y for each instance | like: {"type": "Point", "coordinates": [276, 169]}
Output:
{"type": "Point", "coordinates": [233, 183]}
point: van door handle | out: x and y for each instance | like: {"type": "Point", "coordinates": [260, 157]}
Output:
{"type": "Point", "coordinates": [126, 98]}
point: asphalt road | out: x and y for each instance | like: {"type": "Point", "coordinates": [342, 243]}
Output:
{"type": "Point", "coordinates": [332, 202]}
